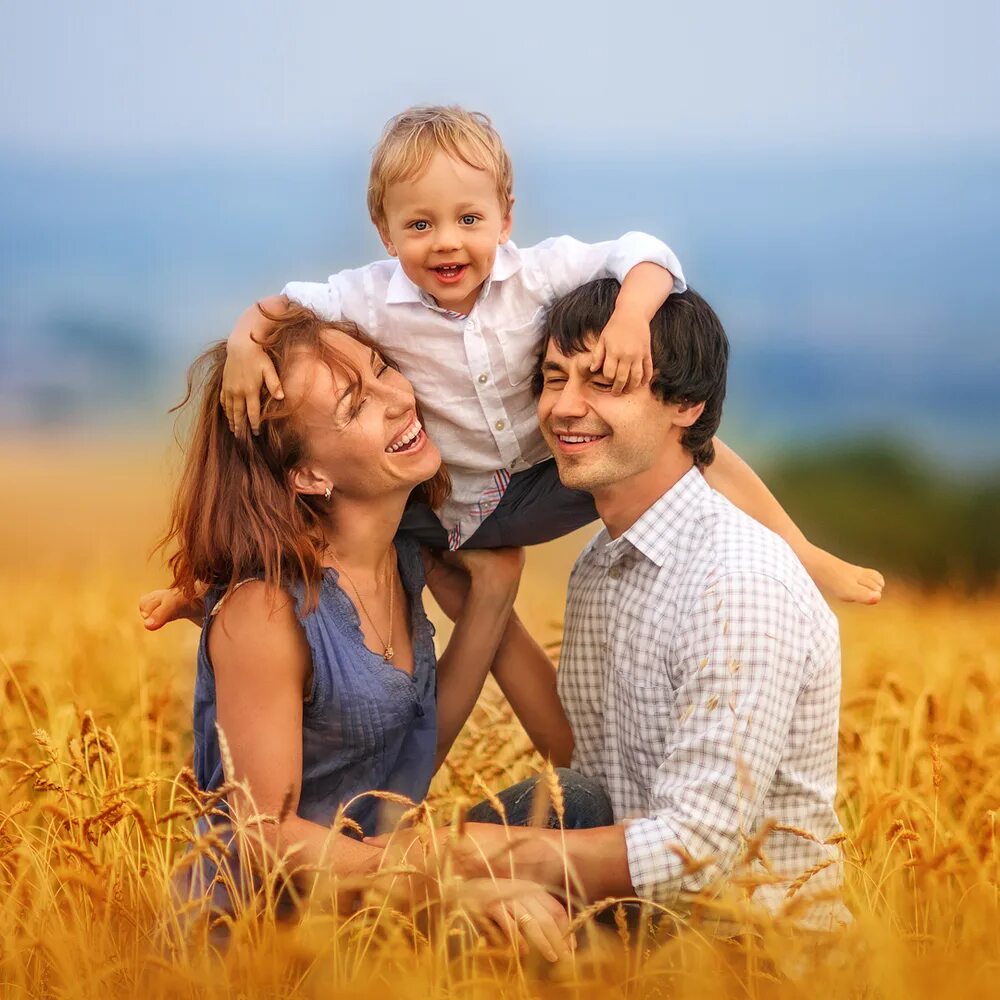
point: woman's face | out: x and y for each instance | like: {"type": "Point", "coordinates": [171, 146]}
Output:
{"type": "Point", "coordinates": [364, 444]}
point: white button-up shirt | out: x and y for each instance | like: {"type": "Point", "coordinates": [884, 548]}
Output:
{"type": "Point", "coordinates": [472, 374]}
{"type": "Point", "coordinates": [700, 672]}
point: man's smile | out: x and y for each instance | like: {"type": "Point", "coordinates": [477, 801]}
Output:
{"type": "Point", "coordinates": [574, 442]}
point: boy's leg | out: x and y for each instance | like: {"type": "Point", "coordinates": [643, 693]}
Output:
{"type": "Point", "coordinates": [535, 508]}
{"type": "Point", "coordinates": [586, 804]}
{"type": "Point", "coordinates": [422, 525]}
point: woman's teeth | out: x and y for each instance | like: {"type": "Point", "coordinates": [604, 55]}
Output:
{"type": "Point", "coordinates": [406, 438]}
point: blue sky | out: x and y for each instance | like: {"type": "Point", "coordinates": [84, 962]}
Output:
{"type": "Point", "coordinates": [120, 78]}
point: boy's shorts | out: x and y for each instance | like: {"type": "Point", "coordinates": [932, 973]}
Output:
{"type": "Point", "coordinates": [535, 508]}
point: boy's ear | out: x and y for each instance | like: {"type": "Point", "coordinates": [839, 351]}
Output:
{"type": "Point", "coordinates": [383, 235]}
{"type": "Point", "coordinates": [508, 222]}
{"type": "Point", "coordinates": [688, 413]}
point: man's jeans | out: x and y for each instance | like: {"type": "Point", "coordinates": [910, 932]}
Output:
{"type": "Point", "coordinates": [586, 803]}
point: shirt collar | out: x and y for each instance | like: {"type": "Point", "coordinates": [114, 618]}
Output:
{"type": "Point", "coordinates": [400, 290]}
{"type": "Point", "coordinates": [657, 530]}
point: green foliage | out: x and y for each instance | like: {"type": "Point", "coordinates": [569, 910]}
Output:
{"type": "Point", "coordinates": [878, 504]}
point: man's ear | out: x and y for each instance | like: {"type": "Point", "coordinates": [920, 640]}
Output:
{"type": "Point", "coordinates": [688, 413]}
{"type": "Point", "coordinates": [508, 222]}
{"type": "Point", "coordinates": [308, 481]}
{"type": "Point", "coordinates": [383, 235]}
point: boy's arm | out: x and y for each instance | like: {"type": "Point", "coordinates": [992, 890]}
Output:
{"type": "Point", "coordinates": [648, 271]}
{"type": "Point", "coordinates": [247, 365]}
{"type": "Point", "coordinates": [739, 484]}
{"type": "Point", "coordinates": [623, 349]}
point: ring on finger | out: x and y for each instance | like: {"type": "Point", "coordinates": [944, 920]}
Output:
{"type": "Point", "coordinates": [524, 918]}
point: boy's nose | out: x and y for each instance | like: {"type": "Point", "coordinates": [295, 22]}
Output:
{"type": "Point", "coordinates": [446, 238]}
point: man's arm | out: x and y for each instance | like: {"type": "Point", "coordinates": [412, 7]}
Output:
{"type": "Point", "coordinates": [739, 663]}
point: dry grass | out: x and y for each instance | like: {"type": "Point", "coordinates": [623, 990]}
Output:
{"type": "Point", "coordinates": [96, 807]}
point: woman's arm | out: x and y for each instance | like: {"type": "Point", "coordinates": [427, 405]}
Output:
{"type": "Point", "coordinates": [262, 665]}
{"type": "Point", "coordinates": [462, 668]}
{"type": "Point", "coordinates": [739, 484]}
{"type": "Point", "coordinates": [521, 667]}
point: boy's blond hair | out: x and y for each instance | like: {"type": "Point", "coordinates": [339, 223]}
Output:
{"type": "Point", "coordinates": [411, 138]}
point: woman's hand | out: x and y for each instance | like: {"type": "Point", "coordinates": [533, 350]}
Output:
{"type": "Point", "coordinates": [450, 575]}
{"type": "Point", "coordinates": [525, 913]}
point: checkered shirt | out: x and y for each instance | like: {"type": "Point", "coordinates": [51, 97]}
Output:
{"type": "Point", "coordinates": [701, 675]}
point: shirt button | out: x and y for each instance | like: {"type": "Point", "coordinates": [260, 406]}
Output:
{"type": "Point", "coordinates": [615, 572]}
{"type": "Point", "coordinates": [482, 380]}
{"type": "Point", "coordinates": [500, 425]}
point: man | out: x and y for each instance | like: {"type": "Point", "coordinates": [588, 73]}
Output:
{"type": "Point", "coordinates": [700, 668]}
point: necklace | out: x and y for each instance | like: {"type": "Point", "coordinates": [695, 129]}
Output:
{"type": "Point", "coordinates": [388, 652]}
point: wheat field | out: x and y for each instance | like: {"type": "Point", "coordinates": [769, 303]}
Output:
{"type": "Point", "coordinates": [97, 807]}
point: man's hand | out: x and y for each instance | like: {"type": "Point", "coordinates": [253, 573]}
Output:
{"type": "Point", "coordinates": [247, 368]}
{"type": "Point", "coordinates": [623, 351]}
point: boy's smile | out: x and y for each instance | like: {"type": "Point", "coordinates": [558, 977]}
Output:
{"type": "Point", "coordinates": [445, 225]}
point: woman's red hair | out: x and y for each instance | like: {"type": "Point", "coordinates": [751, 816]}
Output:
{"type": "Point", "coordinates": [236, 514]}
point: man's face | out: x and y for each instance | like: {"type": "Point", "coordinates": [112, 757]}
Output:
{"type": "Point", "coordinates": [599, 438]}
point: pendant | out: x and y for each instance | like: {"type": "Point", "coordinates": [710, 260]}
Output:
{"type": "Point", "coordinates": [388, 654]}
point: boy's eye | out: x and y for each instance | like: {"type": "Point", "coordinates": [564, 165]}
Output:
{"type": "Point", "coordinates": [554, 381]}
{"type": "Point", "coordinates": [468, 220]}
{"type": "Point", "coordinates": [420, 225]}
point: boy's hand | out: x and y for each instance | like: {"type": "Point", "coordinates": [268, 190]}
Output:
{"type": "Point", "coordinates": [623, 351]}
{"type": "Point", "coordinates": [159, 607]}
{"type": "Point", "coordinates": [247, 368]}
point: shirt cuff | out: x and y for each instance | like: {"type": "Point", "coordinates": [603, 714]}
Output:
{"type": "Point", "coordinates": [322, 297]}
{"type": "Point", "coordinates": [655, 869]}
{"type": "Point", "coordinates": [635, 248]}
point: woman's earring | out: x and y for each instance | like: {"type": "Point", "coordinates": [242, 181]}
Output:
{"type": "Point", "coordinates": [328, 493]}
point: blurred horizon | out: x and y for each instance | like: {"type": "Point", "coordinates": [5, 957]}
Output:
{"type": "Point", "coordinates": [857, 289]}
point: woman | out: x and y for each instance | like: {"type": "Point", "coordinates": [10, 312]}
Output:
{"type": "Point", "coordinates": [316, 660]}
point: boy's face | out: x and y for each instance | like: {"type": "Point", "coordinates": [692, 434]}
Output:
{"type": "Point", "coordinates": [445, 226]}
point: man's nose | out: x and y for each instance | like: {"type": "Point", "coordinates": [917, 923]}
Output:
{"type": "Point", "coordinates": [569, 401]}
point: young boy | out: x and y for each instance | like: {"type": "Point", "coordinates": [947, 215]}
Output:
{"type": "Point", "coordinates": [459, 307]}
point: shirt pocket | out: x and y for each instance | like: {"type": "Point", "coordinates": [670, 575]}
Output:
{"type": "Point", "coordinates": [645, 718]}
{"type": "Point", "coordinates": [522, 348]}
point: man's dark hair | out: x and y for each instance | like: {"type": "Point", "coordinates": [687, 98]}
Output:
{"type": "Point", "coordinates": [689, 347]}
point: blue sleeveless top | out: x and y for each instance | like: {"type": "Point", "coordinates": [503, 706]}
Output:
{"type": "Point", "coordinates": [366, 725]}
